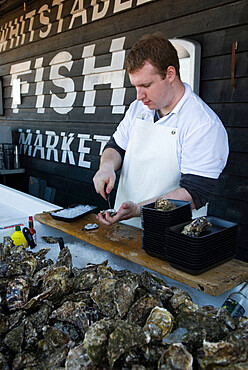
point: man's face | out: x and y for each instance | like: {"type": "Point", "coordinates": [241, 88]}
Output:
{"type": "Point", "coordinates": [152, 90]}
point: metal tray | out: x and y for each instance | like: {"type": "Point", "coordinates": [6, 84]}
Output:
{"type": "Point", "coordinates": [88, 209]}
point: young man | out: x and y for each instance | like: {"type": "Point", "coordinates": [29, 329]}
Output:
{"type": "Point", "coordinates": [169, 143]}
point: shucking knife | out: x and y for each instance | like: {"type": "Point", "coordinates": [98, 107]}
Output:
{"type": "Point", "coordinates": [108, 198]}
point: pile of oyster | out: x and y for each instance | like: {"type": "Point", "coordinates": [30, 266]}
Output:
{"type": "Point", "coordinates": [163, 204]}
{"type": "Point", "coordinates": [197, 227]}
{"type": "Point", "coordinates": [54, 316]}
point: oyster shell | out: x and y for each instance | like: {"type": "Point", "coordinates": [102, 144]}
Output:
{"type": "Point", "coordinates": [103, 295]}
{"type": "Point", "coordinates": [196, 227]}
{"type": "Point", "coordinates": [124, 293]}
{"type": "Point", "coordinates": [123, 338]}
{"type": "Point", "coordinates": [159, 323]}
{"type": "Point", "coordinates": [222, 353]}
{"type": "Point", "coordinates": [78, 359]}
{"type": "Point", "coordinates": [198, 322]}
{"type": "Point", "coordinates": [96, 339]}
{"type": "Point", "coordinates": [17, 292]}
{"type": "Point", "coordinates": [176, 357]}
{"type": "Point", "coordinates": [141, 309]}
{"type": "Point", "coordinates": [163, 204]}
{"type": "Point", "coordinates": [112, 212]}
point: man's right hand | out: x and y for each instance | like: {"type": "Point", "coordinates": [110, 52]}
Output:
{"type": "Point", "coordinates": [104, 179]}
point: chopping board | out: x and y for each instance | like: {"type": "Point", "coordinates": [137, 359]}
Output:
{"type": "Point", "coordinates": [125, 241]}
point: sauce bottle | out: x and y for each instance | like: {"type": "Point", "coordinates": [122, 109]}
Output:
{"type": "Point", "coordinates": [18, 237]}
{"type": "Point", "coordinates": [31, 228]}
{"type": "Point", "coordinates": [237, 302]}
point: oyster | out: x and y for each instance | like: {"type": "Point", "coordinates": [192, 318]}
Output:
{"type": "Point", "coordinates": [198, 322]}
{"type": "Point", "coordinates": [96, 339]}
{"type": "Point", "coordinates": [141, 309]}
{"type": "Point", "coordinates": [123, 338]}
{"type": "Point", "coordinates": [78, 359]}
{"type": "Point", "coordinates": [176, 357]}
{"type": "Point", "coordinates": [155, 286]}
{"type": "Point", "coordinates": [103, 295]}
{"type": "Point", "coordinates": [17, 293]}
{"type": "Point", "coordinates": [76, 313]}
{"type": "Point", "coordinates": [90, 226]}
{"type": "Point", "coordinates": [112, 212]}
{"type": "Point", "coordinates": [50, 239]}
{"type": "Point", "coordinates": [6, 247]}
{"type": "Point", "coordinates": [163, 204]}
{"type": "Point", "coordinates": [196, 227]}
{"type": "Point", "coordinates": [124, 293]}
{"type": "Point", "coordinates": [159, 323]}
{"type": "Point", "coordinates": [14, 338]}
{"type": "Point", "coordinates": [222, 354]}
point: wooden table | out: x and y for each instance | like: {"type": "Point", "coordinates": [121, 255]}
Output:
{"type": "Point", "coordinates": [125, 241]}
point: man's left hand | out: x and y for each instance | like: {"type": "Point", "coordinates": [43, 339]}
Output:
{"type": "Point", "coordinates": [127, 210]}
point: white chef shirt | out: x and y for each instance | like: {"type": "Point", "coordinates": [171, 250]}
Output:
{"type": "Point", "coordinates": [202, 144]}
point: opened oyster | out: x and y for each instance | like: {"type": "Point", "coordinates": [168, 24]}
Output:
{"type": "Point", "coordinates": [196, 227]}
{"type": "Point", "coordinates": [159, 323]}
{"type": "Point", "coordinates": [163, 204]}
{"type": "Point", "coordinates": [112, 212]}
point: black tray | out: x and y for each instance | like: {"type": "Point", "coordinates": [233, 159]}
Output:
{"type": "Point", "coordinates": [88, 210]}
{"type": "Point", "coordinates": [219, 227]}
{"type": "Point", "coordinates": [155, 220]}
{"type": "Point", "coordinates": [198, 271]}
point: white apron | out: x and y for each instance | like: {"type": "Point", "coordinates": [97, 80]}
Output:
{"type": "Point", "coordinates": [150, 166]}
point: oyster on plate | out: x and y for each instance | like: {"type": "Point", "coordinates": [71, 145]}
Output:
{"type": "Point", "coordinates": [196, 227]}
{"type": "Point", "coordinates": [163, 204]}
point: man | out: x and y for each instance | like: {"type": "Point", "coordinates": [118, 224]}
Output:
{"type": "Point", "coordinates": [169, 143]}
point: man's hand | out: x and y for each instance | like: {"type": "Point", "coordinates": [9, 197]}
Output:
{"type": "Point", "coordinates": [127, 210]}
{"type": "Point", "coordinates": [105, 176]}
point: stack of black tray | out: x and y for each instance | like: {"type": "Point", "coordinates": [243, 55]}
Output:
{"type": "Point", "coordinates": [197, 254]}
{"type": "Point", "coordinates": [155, 222]}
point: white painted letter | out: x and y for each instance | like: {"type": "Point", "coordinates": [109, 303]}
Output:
{"type": "Point", "coordinates": [96, 13]}
{"type": "Point", "coordinates": [79, 12]}
{"type": "Point", "coordinates": [39, 85]}
{"type": "Point", "coordinates": [65, 147]}
{"type": "Point", "coordinates": [3, 40]}
{"type": "Point", "coordinates": [15, 71]}
{"type": "Point", "coordinates": [113, 74]}
{"type": "Point", "coordinates": [83, 150]}
{"type": "Point", "coordinates": [120, 6]}
{"type": "Point", "coordinates": [45, 20]}
{"type": "Point", "coordinates": [103, 140]}
{"type": "Point", "coordinates": [38, 145]}
{"type": "Point", "coordinates": [30, 16]}
{"type": "Point", "coordinates": [62, 105]}
{"type": "Point", "coordinates": [25, 142]}
{"type": "Point", "coordinates": [51, 146]}
{"type": "Point", "coordinates": [59, 13]}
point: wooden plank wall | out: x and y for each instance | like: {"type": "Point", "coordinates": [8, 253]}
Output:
{"type": "Point", "coordinates": [215, 24]}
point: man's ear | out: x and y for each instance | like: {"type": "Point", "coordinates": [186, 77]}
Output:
{"type": "Point", "coordinates": [171, 73]}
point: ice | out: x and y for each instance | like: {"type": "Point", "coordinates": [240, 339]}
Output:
{"type": "Point", "coordinates": [73, 212]}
